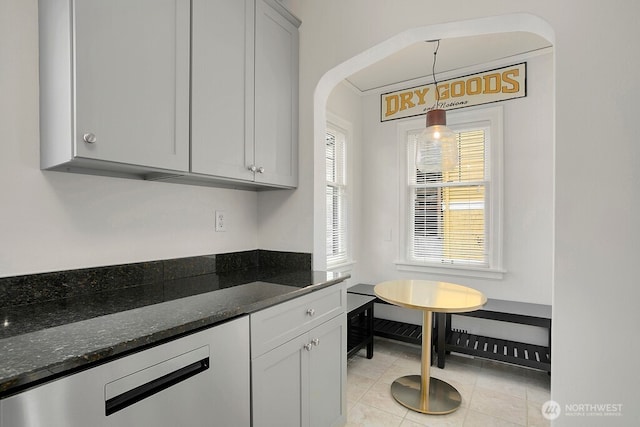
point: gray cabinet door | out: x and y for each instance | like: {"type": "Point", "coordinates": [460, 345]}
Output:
{"type": "Point", "coordinates": [131, 80]}
{"type": "Point", "coordinates": [276, 97]}
{"type": "Point", "coordinates": [327, 374]}
{"type": "Point", "coordinates": [278, 387]}
{"type": "Point", "coordinates": [222, 88]}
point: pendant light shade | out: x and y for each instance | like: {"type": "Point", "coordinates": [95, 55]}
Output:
{"type": "Point", "coordinates": [436, 147]}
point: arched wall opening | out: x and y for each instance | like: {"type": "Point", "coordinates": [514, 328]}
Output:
{"type": "Point", "coordinates": [489, 25]}
{"type": "Point", "coordinates": [334, 77]}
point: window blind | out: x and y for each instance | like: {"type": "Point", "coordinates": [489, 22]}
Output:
{"type": "Point", "coordinates": [449, 208]}
{"type": "Point", "coordinates": [336, 197]}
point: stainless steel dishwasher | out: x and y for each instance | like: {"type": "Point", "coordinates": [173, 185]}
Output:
{"type": "Point", "coordinates": [198, 380]}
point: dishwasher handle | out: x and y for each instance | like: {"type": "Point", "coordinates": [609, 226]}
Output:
{"type": "Point", "coordinates": [122, 401]}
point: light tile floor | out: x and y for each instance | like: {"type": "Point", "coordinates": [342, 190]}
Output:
{"type": "Point", "coordinates": [493, 394]}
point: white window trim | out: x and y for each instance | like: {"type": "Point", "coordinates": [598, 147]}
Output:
{"type": "Point", "coordinates": [342, 125]}
{"type": "Point", "coordinates": [455, 119]}
{"type": "Point", "coordinates": [341, 267]}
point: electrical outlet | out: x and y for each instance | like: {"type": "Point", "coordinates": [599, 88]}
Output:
{"type": "Point", "coordinates": [221, 221]}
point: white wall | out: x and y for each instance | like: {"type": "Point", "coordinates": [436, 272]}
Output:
{"type": "Point", "coordinates": [55, 221]}
{"type": "Point", "coordinates": [595, 251]}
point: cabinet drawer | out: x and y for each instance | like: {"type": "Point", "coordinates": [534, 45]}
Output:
{"type": "Point", "coordinates": [275, 325]}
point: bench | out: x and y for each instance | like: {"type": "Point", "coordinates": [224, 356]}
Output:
{"type": "Point", "coordinates": [391, 329]}
{"type": "Point", "coordinates": [519, 353]}
{"type": "Point", "coordinates": [448, 339]}
{"type": "Point", "coordinates": [359, 324]}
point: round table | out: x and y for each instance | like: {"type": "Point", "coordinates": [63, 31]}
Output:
{"type": "Point", "coordinates": [422, 393]}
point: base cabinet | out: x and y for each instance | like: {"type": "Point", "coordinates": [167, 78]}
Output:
{"type": "Point", "coordinates": [199, 380]}
{"type": "Point", "coordinates": [300, 383]}
{"type": "Point", "coordinates": [298, 361]}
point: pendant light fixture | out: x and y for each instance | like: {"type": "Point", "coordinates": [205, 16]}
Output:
{"type": "Point", "coordinates": [436, 147]}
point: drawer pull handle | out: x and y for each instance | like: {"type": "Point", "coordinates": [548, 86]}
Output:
{"type": "Point", "coordinates": [315, 341]}
{"type": "Point", "coordinates": [308, 347]}
{"type": "Point", "coordinates": [311, 312]}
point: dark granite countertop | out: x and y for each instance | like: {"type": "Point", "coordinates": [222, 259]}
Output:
{"type": "Point", "coordinates": [40, 342]}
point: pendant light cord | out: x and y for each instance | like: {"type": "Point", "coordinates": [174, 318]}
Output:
{"type": "Point", "coordinates": [433, 71]}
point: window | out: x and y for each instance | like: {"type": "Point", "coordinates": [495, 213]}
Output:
{"type": "Point", "coordinates": [453, 217]}
{"type": "Point", "coordinates": [337, 242]}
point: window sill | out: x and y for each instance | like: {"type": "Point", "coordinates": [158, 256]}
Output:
{"type": "Point", "coordinates": [483, 273]}
{"type": "Point", "coordinates": [341, 267]}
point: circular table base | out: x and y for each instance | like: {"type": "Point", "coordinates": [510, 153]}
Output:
{"type": "Point", "coordinates": [443, 398]}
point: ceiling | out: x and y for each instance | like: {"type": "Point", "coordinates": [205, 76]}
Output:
{"type": "Point", "coordinates": [454, 54]}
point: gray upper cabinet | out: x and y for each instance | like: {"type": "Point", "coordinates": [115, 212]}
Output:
{"type": "Point", "coordinates": [202, 91]}
{"type": "Point", "coordinates": [276, 96]}
{"type": "Point", "coordinates": [244, 111]}
{"type": "Point", "coordinates": [222, 88]}
{"type": "Point", "coordinates": [114, 84]}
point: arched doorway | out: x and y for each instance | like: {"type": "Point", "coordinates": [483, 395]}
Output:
{"type": "Point", "coordinates": [491, 25]}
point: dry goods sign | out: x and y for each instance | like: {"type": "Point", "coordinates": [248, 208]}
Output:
{"type": "Point", "coordinates": [475, 89]}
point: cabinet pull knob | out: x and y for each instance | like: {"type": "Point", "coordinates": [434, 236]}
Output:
{"type": "Point", "coordinates": [311, 312]}
{"type": "Point", "coordinates": [260, 169]}
{"type": "Point", "coordinates": [315, 341]}
{"type": "Point", "coordinates": [308, 347]}
{"type": "Point", "coordinates": [253, 168]}
{"type": "Point", "coordinates": [89, 138]}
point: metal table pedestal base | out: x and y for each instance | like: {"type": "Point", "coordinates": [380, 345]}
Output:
{"type": "Point", "coordinates": [421, 393]}
{"type": "Point", "coordinates": [443, 398]}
